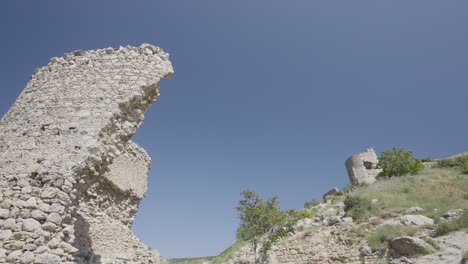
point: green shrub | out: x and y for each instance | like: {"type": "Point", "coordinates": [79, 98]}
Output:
{"type": "Point", "coordinates": [431, 242]}
{"type": "Point", "coordinates": [446, 163]}
{"type": "Point", "coordinates": [443, 229]}
{"type": "Point", "coordinates": [262, 222]}
{"type": "Point", "coordinates": [460, 161]}
{"type": "Point", "coordinates": [295, 215]}
{"type": "Point", "coordinates": [428, 159]}
{"type": "Point", "coordinates": [398, 162]}
{"type": "Point", "coordinates": [358, 207]}
{"type": "Point", "coordinates": [379, 239]}
{"type": "Point", "coordinates": [464, 168]}
{"type": "Point", "coordinates": [457, 224]}
{"type": "Point", "coordinates": [407, 189]}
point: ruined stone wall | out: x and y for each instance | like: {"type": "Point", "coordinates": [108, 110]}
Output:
{"type": "Point", "coordinates": [362, 167]}
{"type": "Point", "coordinates": [62, 198]}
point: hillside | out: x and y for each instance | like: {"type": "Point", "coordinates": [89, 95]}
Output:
{"type": "Point", "coordinates": [420, 218]}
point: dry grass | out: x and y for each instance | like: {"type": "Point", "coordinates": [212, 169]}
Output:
{"type": "Point", "coordinates": [380, 238]}
{"type": "Point", "coordinates": [437, 190]}
{"type": "Point", "coordinates": [228, 253]}
{"type": "Point", "coordinates": [460, 223]}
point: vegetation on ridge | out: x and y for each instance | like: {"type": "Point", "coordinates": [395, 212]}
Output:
{"type": "Point", "coordinates": [437, 190]}
{"type": "Point", "coordinates": [380, 238]}
{"type": "Point", "coordinates": [458, 161]}
{"type": "Point", "coordinates": [261, 222]}
{"type": "Point", "coordinates": [228, 253]}
{"type": "Point", "coordinates": [398, 162]}
{"type": "Point", "coordinates": [459, 223]}
{"type": "Point", "coordinates": [437, 187]}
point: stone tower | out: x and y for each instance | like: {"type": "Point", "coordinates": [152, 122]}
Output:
{"type": "Point", "coordinates": [70, 178]}
{"type": "Point", "coordinates": [362, 167]}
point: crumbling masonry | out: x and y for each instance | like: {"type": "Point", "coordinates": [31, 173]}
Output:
{"type": "Point", "coordinates": [362, 167]}
{"type": "Point", "coordinates": [70, 178]}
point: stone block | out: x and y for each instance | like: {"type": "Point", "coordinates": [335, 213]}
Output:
{"type": "Point", "coordinates": [362, 167]}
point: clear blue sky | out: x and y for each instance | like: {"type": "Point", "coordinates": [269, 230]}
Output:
{"type": "Point", "coordinates": [269, 95]}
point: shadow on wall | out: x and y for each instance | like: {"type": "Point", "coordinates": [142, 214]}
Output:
{"type": "Point", "coordinates": [83, 242]}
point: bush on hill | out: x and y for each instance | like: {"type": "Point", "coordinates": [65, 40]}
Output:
{"type": "Point", "coordinates": [358, 207]}
{"type": "Point", "coordinates": [460, 161]}
{"type": "Point", "coordinates": [380, 238]}
{"type": "Point", "coordinates": [398, 162]}
{"type": "Point", "coordinates": [434, 189]}
{"type": "Point", "coordinates": [262, 222]}
{"type": "Point", "coordinates": [457, 224]}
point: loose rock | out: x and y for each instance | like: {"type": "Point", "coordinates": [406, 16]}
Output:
{"type": "Point", "coordinates": [410, 246]}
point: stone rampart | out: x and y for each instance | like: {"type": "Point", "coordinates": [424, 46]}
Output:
{"type": "Point", "coordinates": [70, 178]}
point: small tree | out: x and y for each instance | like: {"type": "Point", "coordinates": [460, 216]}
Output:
{"type": "Point", "coordinates": [261, 222]}
{"type": "Point", "coordinates": [397, 162]}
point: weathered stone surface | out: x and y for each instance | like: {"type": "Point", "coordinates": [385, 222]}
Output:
{"type": "Point", "coordinates": [330, 192]}
{"type": "Point", "coordinates": [31, 203]}
{"type": "Point", "coordinates": [366, 250]}
{"type": "Point", "coordinates": [362, 167]}
{"type": "Point", "coordinates": [47, 258]}
{"type": "Point", "coordinates": [5, 235]}
{"type": "Point", "coordinates": [68, 169]}
{"type": "Point", "coordinates": [333, 220]}
{"type": "Point", "coordinates": [452, 248]}
{"type": "Point", "coordinates": [27, 257]}
{"type": "Point", "coordinates": [390, 222]}
{"type": "Point", "coordinates": [31, 225]}
{"type": "Point", "coordinates": [413, 210]}
{"type": "Point", "coordinates": [38, 215]}
{"type": "Point", "coordinates": [346, 220]}
{"type": "Point", "coordinates": [134, 162]}
{"type": "Point", "coordinates": [416, 220]}
{"type": "Point", "coordinates": [54, 218]}
{"type": "Point", "coordinates": [328, 213]}
{"type": "Point", "coordinates": [410, 246]}
{"type": "Point", "coordinates": [4, 213]}
{"type": "Point", "coordinates": [14, 256]}
{"type": "Point", "coordinates": [453, 213]}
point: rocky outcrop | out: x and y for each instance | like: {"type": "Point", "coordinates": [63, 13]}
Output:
{"type": "Point", "coordinates": [70, 178]}
{"type": "Point", "coordinates": [410, 246]}
{"type": "Point", "coordinates": [362, 167]}
{"type": "Point", "coordinates": [331, 192]}
{"type": "Point", "coordinates": [323, 239]}
{"type": "Point", "coordinates": [400, 235]}
{"type": "Point", "coordinates": [452, 249]}
{"type": "Point", "coordinates": [417, 220]}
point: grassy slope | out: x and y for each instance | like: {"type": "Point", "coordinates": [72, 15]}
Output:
{"type": "Point", "coordinates": [228, 253]}
{"type": "Point", "coordinates": [437, 190]}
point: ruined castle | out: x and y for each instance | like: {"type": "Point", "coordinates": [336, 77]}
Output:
{"type": "Point", "coordinates": [71, 179]}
